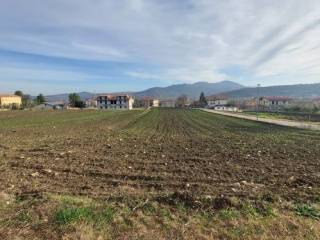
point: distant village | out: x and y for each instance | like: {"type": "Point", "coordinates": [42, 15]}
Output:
{"type": "Point", "coordinates": [218, 102]}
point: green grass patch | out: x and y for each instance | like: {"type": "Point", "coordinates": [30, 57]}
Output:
{"type": "Point", "coordinates": [228, 214]}
{"type": "Point", "coordinates": [107, 215]}
{"type": "Point", "coordinates": [68, 215]}
{"type": "Point", "coordinates": [307, 210]}
{"type": "Point", "coordinates": [259, 209]}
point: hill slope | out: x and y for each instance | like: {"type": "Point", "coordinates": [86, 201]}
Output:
{"type": "Point", "coordinates": [65, 96]}
{"type": "Point", "coordinates": [191, 90]}
{"type": "Point", "coordinates": [295, 91]}
{"type": "Point", "coordinates": [173, 91]}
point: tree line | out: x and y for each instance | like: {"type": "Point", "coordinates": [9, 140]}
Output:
{"type": "Point", "coordinates": [28, 102]}
{"type": "Point", "coordinates": [182, 101]}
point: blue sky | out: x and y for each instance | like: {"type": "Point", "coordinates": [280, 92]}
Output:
{"type": "Point", "coordinates": [57, 46]}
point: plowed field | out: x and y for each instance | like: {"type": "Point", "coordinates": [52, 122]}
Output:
{"type": "Point", "coordinates": [155, 152]}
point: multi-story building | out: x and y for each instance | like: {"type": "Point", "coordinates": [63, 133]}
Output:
{"type": "Point", "coordinates": [214, 101]}
{"type": "Point", "coordinates": [124, 102]}
{"type": "Point", "coordinates": [10, 100]}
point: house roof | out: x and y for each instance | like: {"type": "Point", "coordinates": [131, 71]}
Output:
{"type": "Point", "coordinates": [277, 98]}
{"type": "Point", "coordinates": [114, 97]}
{"type": "Point", "coordinates": [217, 97]}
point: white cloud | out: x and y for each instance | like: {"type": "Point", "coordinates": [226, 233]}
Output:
{"type": "Point", "coordinates": [180, 75]}
{"type": "Point", "coordinates": [190, 40]}
{"type": "Point", "coordinates": [42, 75]}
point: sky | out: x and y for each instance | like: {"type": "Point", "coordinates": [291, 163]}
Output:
{"type": "Point", "coordinates": [57, 46]}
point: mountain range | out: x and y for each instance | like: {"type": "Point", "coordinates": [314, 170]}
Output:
{"type": "Point", "coordinates": [228, 88]}
{"type": "Point", "coordinates": [293, 91]}
{"type": "Point", "coordinates": [191, 90]}
{"type": "Point", "coordinates": [170, 92]}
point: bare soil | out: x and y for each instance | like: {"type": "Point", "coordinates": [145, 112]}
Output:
{"type": "Point", "coordinates": [155, 153]}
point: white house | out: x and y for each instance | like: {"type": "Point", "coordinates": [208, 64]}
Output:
{"type": "Point", "coordinates": [226, 108]}
{"type": "Point", "coordinates": [274, 102]}
{"type": "Point", "coordinates": [155, 103]}
{"type": "Point", "coordinates": [150, 102]}
{"type": "Point", "coordinates": [216, 100]}
{"type": "Point", "coordinates": [124, 102]}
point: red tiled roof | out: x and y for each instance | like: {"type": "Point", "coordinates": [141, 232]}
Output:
{"type": "Point", "coordinates": [216, 97]}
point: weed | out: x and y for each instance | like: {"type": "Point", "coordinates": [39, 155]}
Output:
{"type": "Point", "coordinates": [307, 210]}
{"type": "Point", "coordinates": [68, 215]}
{"type": "Point", "coordinates": [206, 218]}
{"type": "Point", "coordinates": [148, 208]}
{"type": "Point", "coordinates": [165, 214]}
{"type": "Point", "coordinates": [257, 209]}
{"type": "Point", "coordinates": [107, 215]}
{"type": "Point", "coordinates": [228, 214]}
{"type": "Point", "coordinates": [263, 209]}
{"type": "Point", "coordinates": [24, 217]}
{"type": "Point", "coordinates": [69, 201]}
{"type": "Point", "coordinates": [249, 210]}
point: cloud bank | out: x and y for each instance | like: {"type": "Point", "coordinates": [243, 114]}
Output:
{"type": "Point", "coordinates": [249, 41]}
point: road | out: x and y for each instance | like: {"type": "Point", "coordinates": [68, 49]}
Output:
{"type": "Point", "coordinates": [282, 122]}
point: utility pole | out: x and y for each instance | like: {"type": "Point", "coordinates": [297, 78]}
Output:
{"type": "Point", "coordinates": [258, 101]}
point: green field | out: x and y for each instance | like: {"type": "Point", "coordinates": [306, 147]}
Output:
{"type": "Point", "coordinates": [304, 117]}
{"type": "Point", "coordinates": [155, 174]}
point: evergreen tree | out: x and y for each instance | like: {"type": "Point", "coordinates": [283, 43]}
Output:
{"type": "Point", "coordinates": [202, 100]}
{"type": "Point", "coordinates": [40, 99]}
{"type": "Point", "coordinates": [18, 93]}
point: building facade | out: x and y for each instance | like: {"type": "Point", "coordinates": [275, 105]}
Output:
{"type": "Point", "coordinates": [123, 102]}
{"type": "Point", "coordinates": [214, 101]}
{"type": "Point", "coordinates": [155, 103]}
{"type": "Point", "coordinates": [274, 103]}
{"type": "Point", "coordinates": [10, 100]}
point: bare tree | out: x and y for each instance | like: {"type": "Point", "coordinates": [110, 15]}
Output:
{"type": "Point", "coordinates": [181, 101]}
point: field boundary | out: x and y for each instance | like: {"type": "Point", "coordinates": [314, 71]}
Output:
{"type": "Point", "coordinates": [287, 123]}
